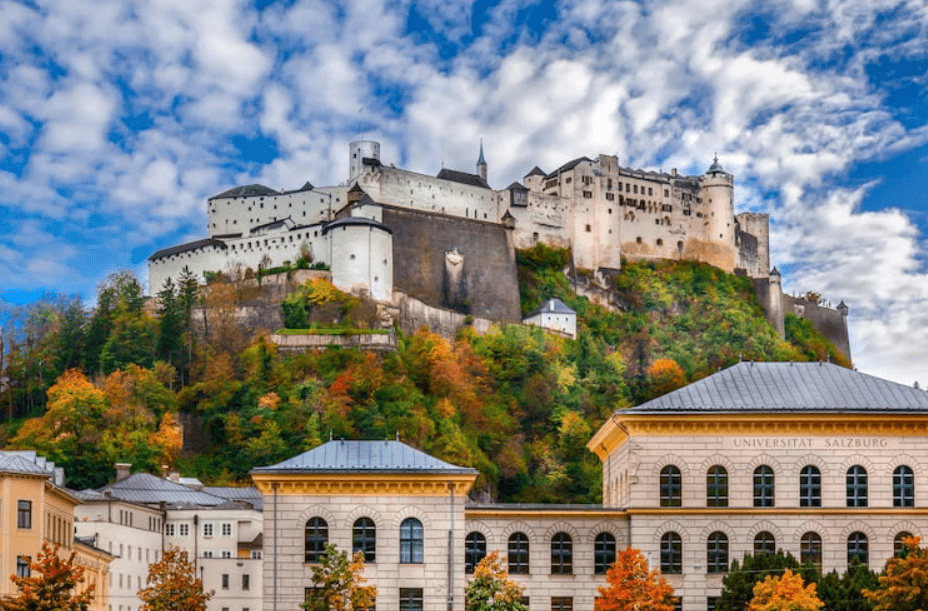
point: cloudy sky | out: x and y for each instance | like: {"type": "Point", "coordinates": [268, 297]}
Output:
{"type": "Point", "coordinates": [118, 118]}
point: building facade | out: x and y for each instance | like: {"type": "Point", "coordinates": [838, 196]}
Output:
{"type": "Point", "coordinates": [820, 461]}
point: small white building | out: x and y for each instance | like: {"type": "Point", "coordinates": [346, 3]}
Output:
{"type": "Point", "coordinates": [554, 315]}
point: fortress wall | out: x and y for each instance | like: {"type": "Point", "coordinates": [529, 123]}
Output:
{"type": "Point", "coordinates": [420, 243]}
{"type": "Point", "coordinates": [758, 225]}
{"type": "Point", "coordinates": [406, 189]}
{"type": "Point", "coordinates": [769, 294]}
{"type": "Point", "coordinates": [240, 214]}
{"type": "Point", "coordinates": [209, 258]}
{"type": "Point", "coordinates": [414, 314]}
{"type": "Point", "coordinates": [545, 219]}
{"type": "Point", "coordinates": [830, 323]}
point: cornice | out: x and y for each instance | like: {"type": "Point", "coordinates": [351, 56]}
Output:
{"type": "Point", "coordinates": [362, 484]}
{"type": "Point", "coordinates": [717, 512]}
{"type": "Point", "coordinates": [544, 513]}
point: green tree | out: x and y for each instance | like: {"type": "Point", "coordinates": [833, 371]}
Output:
{"type": "Point", "coordinates": [845, 592]}
{"type": "Point", "coordinates": [491, 589]}
{"type": "Point", "coordinates": [903, 586]}
{"type": "Point", "coordinates": [338, 583]}
{"type": "Point", "coordinates": [738, 584]}
{"type": "Point", "coordinates": [172, 585]}
{"type": "Point", "coordinates": [51, 586]}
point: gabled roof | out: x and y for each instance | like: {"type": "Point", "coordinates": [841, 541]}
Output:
{"type": "Point", "coordinates": [517, 185]}
{"type": "Point", "coordinates": [570, 165]}
{"type": "Point", "coordinates": [247, 191]}
{"type": "Point", "coordinates": [535, 171]}
{"type": "Point", "coordinates": [182, 248]}
{"type": "Point", "coordinates": [146, 488]}
{"type": "Point", "coordinates": [789, 387]}
{"type": "Point", "coordinates": [11, 462]}
{"type": "Point", "coordinates": [463, 177]}
{"type": "Point", "coordinates": [364, 456]}
{"type": "Point", "coordinates": [552, 306]}
{"type": "Point", "coordinates": [272, 224]}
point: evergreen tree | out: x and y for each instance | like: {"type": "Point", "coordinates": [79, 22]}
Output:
{"type": "Point", "coordinates": [738, 584]}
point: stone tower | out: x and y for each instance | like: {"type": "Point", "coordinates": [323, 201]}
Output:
{"type": "Point", "coordinates": [719, 199]}
{"type": "Point", "coordinates": [482, 163]}
{"type": "Point", "coordinates": [361, 150]}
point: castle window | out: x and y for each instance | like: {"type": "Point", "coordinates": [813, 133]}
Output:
{"type": "Point", "coordinates": [638, 239]}
{"type": "Point", "coordinates": [903, 487]}
{"type": "Point", "coordinates": [603, 553]}
{"type": "Point", "coordinates": [569, 180]}
{"type": "Point", "coordinates": [364, 539]}
{"type": "Point", "coordinates": [857, 549]}
{"type": "Point", "coordinates": [518, 554]}
{"type": "Point", "coordinates": [411, 545]}
{"type": "Point", "coordinates": [587, 195]}
{"type": "Point", "coordinates": [810, 487]}
{"type": "Point", "coordinates": [856, 486]}
{"type": "Point", "coordinates": [475, 549]}
{"type": "Point", "coordinates": [717, 487]}
{"type": "Point", "coordinates": [671, 486]}
{"type": "Point", "coordinates": [810, 549]}
{"type": "Point", "coordinates": [764, 543]}
{"type": "Point", "coordinates": [717, 553]}
{"type": "Point", "coordinates": [671, 554]}
{"type": "Point", "coordinates": [316, 538]}
{"type": "Point", "coordinates": [763, 486]}
{"type": "Point", "coordinates": [650, 191]}
{"type": "Point", "coordinates": [666, 193]}
{"type": "Point", "coordinates": [898, 544]}
{"type": "Point", "coordinates": [660, 242]}
{"type": "Point", "coordinates": [588, 229]}
{"type": "Point", "coordinates": [610, 197]}
{"type": "Point", "coordinates": [562, 554]}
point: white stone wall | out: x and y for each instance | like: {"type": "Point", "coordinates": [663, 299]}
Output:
{"type": "Point", "coordinates": [564, 323]}
{"type": "Point", "coordinates": [396, 187]}
{"type": "Point", "coordinates": [540, 526]}
{"type": "Point", "coordinates": [131, 533]}
{"type": "Point", "coordinates": [241, 214]}
{"type": "Point", "coordinates": [387, 573]}
{"type": "Point", "coordinates": [364, 260]}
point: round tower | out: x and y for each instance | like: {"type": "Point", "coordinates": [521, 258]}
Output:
{"type": "Point", "coordinates": [361, 150]}
{"type": "Point", "coordinates": [718, 196]}
{"type": "Point", "coordinates": [361, 256]}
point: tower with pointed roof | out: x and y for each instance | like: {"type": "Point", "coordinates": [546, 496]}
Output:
{"type": "Point", "coordinates": [482, 163]}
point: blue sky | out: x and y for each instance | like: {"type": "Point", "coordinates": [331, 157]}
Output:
{"type": "Point", "coordinates": [118, 118]}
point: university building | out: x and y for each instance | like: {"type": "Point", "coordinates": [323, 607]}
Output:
{"type": "Point", "coordinates": [823, 462]}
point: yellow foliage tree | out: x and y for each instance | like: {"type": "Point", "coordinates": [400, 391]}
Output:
{"type": "Point", "coordinates": [786, 592]}
{"type": "Point", "coordinates": [665, 375]}
{"type": "Point", "coordinates": [631, 586]}
{"type": "Point", "coordinates": [904, 583]}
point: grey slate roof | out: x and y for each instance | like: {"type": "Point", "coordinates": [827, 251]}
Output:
{"type": "Point", "coordinates": [552, 306]}
{"type": "Point", "coordinates": [16, 463]}
{"type": "Point", "coordinates": [534, 171]}
{"type": "Point", "coordinates": [175, 250]}
{"type": "Point", "coordinates": [789, 387]}
{"type": "Point", "coordinates": [355, 221]}
{"type": "Point", "coordinates": [246, 191]}
{"type": "Point", "coordinates": [569, 166]}
{"type": "Point", "coordinates": [364, 456]}
{"type": "Point", "coordinates": [463, 177]}
{"type": "Point", "coordinates": [146, 488]}
{"type": "Point", "coordinates": [247, 494]}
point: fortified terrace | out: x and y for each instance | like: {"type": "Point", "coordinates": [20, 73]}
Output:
{"type": "Point", "coordinates": [449, 240]}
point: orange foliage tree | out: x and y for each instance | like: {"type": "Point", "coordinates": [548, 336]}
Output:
{"type": "Point", "coordinates": [665, 375]}
{"type": "Point", "coordinates": [173, 585]}
{"type": "Point", "coordinates": [904, 583]}
{"type": "Point", "coordinates": [632, 586]}
{"type": "Point", "coordinates": [51, 586]}
{"type": "Point", "coordinates": [785, 592]}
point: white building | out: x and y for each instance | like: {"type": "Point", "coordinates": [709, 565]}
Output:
{"type": "Point", "coordinates": [554, 315]}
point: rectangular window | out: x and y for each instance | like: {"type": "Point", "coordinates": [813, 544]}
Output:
{"type": "Point", "coordinates": [562, 603]}
{"type": "Point", "coordinates": [410, 599]}
{"type": "Point", "coordinates": [184, 530]}
{"type": "Point", "coordinates": [226, 529]}
{"type": "Point", "coordinates": [22, 566]}
{"type": "Point", "coordinates": [24, 514]}
{"type": "Point", "coordinates": [246, 582]}
{"type": "Point", "coordinates": [711, 602]}
{"type": "Point", "coordinates": [225, 554]}
{"type": "Point", "coordinates": [169, 530]}
{"type": "Point", "coordinates": [208, 553]}
{"type": "Point", "coordinates": [225, 581]}
{"type": "Point", "coordinates": [207, 530]}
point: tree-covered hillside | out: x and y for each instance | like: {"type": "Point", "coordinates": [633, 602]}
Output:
{"type": "Point", "coordinates": [518, 404]}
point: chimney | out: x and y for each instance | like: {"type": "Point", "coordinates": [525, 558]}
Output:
{"type": "Point", "coordinates": [174, 477]}
{"type": "Point", "coordinates": [122, 470]}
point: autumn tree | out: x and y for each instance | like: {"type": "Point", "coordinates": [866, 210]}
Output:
{"type": "Point", "coordinates": [491, 589]}
{"type": "Point", "coordinates": [738, 584]}
{"type": "Point", "coordinates": [665, 375]}
{"type": "Point", "coordinates": [786, 592]}
{"type": "Point", "coordinates": [51, 585]}
{"type": "Point", "coordinates": [631, 585]}
{"type": "Point", "coordinates": [172, 585]}
{"type": "Point", "coordinates": [338, 583]}
{"type": "Point", "coordinates": [904, 582]}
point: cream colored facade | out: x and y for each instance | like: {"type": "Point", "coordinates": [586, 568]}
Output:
{"type": "Point", "coordinates": [96, 565]}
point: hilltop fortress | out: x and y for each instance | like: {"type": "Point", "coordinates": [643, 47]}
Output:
{"type": "Point", "coordinates": [449, 240]}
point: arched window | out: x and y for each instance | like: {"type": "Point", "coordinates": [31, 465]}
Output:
{"type": "Point", "coordinates": [717, 553]}
{"type": "Point", "coordinates": [763, 486]}
{"type": "Point", "coordinates": [810, 549]}
{"type": "Point", "coordinates": [897, 542]}
{"type": "Point", "coordinates": [671, 486]}
{"type": "Point", "coordinates": [857, 547]}
{"type": "Point", "coordinates": [603, 553]}
{"type": "Point", "coordinates": [364, 539]}
{"type": "Point", "coordinates": [764, 543]}
{"type": "Point", "coordinates": [518, 554]}
{"type": "Point", "coordinates": [671, 554]}
{"type": "Point", "coordinates": [475, 549]}
{"type": "Point", "coordinates": [903, 487]}
{"type": "Point", "coordinates": [717, 487]}
{"type": "Point", "coordinates": [856, 486]}
{"type": "Point", "coordinates": [317, 537]}
{"type": "Point", "coordinates": [411, 541]}
{"type": "Point", "coordinates": [562, 554]}
{"type": "Point", "coordinates": [810, 487]}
